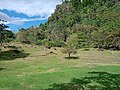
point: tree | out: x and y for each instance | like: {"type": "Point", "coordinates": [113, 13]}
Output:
{"type": "Point", "coordinates": [72, 43]}
{"type": "Point", "coordinates": [31, 35]}
{"type": "Point", "coordinates": [22, 36]}
{"type": "Point", "coordinates": [77, 4]}
{"type": "Point", "coordinates": [108, 40]}
{"type": "Point", "coordinates": [5, 35]}
{"type": "Point", "coordinates": [69, 51]}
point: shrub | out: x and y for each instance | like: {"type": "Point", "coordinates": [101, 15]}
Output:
{"type": "Point", "coordinates": [56, 43]}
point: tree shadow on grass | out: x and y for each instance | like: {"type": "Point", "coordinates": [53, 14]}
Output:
{"type": "Point", "coordinates": [72, 57]}
{"type": "Point", "coordinates": [2, 69]}
{"type": "Point", "coordinates": [96, 81]}
{"type": "Point", "coordinates": [12, 54]}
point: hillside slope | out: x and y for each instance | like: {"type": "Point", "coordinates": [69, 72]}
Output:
{"type": "Point", "coordinates": [97, 24]}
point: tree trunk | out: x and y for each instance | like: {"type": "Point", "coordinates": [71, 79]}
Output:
{"type": "Point", "coordinates": [69, 55]}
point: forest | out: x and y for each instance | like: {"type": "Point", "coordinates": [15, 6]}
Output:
{"type": "Point", "coordinates": [92, 24]}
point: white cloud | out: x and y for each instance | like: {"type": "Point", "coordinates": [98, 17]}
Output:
{"type": "Point", "coordinates": [4, 16]}
{"type": "Point", "coordinates": [42, 8]}
{"type": "Point", "coordinates": [17, 21]}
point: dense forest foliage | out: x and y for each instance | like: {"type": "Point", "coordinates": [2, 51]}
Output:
{"type": "Point", "coordinates": [92, 23]}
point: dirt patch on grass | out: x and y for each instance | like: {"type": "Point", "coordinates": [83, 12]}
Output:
{"type": "Point", "coordinates": [50, 70]}
{"type": "Point", "coordinates": [92, 65]}
{"type": "Point", "coordinates": [19, 75]}
{"type": "Point", "coordinates": [85, 65]}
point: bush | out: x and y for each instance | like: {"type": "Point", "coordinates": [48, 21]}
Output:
{"type": "Point", "coordinates": [56, 43]}
{"type": "Point", "coordinates": [38, 42]}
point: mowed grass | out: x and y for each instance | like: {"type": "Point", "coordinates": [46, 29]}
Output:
{"type": "Point", "coordinates": [39, 69]}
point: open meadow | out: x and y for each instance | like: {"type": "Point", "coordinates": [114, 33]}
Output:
{"type": "Point", "coordinates": [38, 68]}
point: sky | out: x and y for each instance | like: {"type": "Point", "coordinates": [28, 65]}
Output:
{"type": "Point", "coordinates": [26, 13]}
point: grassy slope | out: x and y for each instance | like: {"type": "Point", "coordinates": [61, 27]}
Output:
{"type": "Point", "coordinates": [37, 72]}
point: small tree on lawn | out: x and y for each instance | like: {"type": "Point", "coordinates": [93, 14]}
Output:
{"type": "Point", "coordinates": [69, 51]}
{"type": "Point", "coordinates": [72, 42]}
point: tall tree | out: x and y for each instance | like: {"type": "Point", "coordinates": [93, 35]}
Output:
{"type": "Point", "coordinates": [5, 35]}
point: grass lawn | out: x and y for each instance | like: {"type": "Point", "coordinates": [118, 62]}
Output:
{"type": "Point", "coordinates": [38, 70]}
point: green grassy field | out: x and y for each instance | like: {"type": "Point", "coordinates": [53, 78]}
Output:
{"type": "Point", "coordinates": [38, 70]}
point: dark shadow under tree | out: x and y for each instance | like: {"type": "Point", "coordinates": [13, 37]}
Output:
{"type": "Point", "coordinates": [96, 81]}
{"type": "Point", "coordinates": [12, 53]}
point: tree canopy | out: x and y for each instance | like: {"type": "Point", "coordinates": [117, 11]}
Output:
{"type": "Point", "coordinates": [5, 35]}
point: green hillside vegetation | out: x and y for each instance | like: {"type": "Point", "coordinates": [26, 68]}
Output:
{"type": "Point", "coordinates": [95, 22]}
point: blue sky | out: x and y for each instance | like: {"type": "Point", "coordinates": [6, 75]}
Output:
{"type": "Point", "coordinates": [26, 13]}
